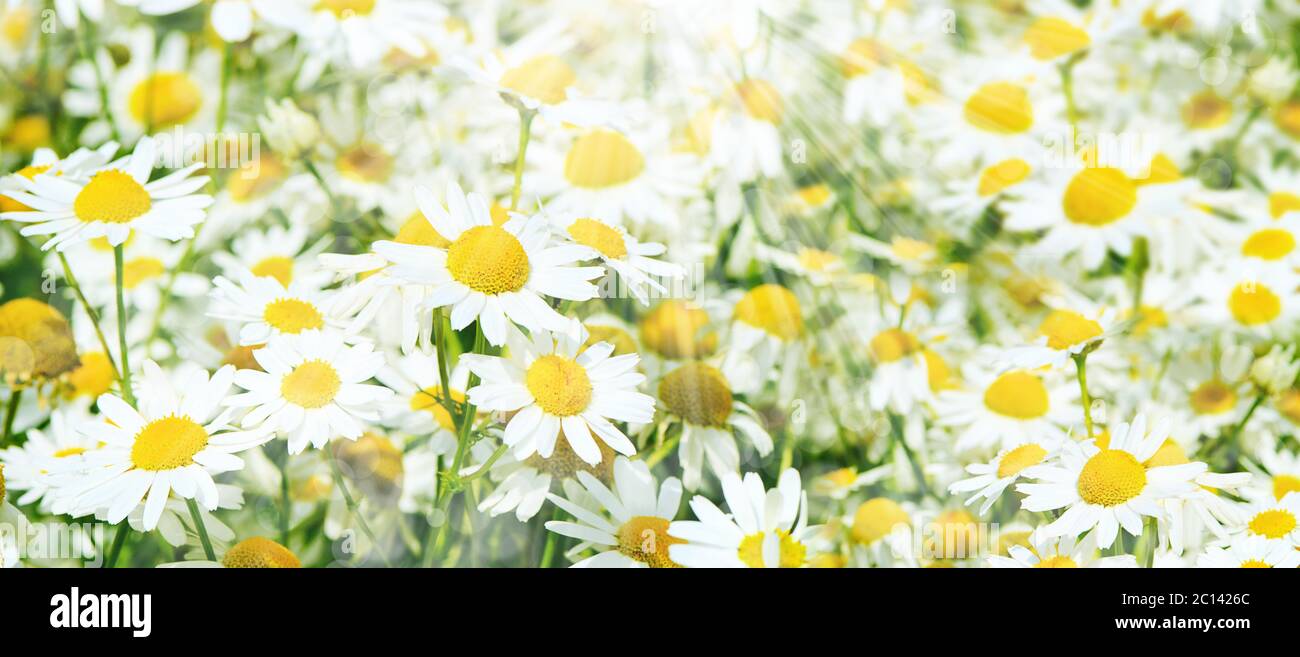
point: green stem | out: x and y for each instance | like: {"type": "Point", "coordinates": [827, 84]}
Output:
{"type": "Point", "coordinates": [127, 392]}
{"type": "Point", "coordinates": [286, 507]}
{"type": "Point", "coordinates": [525, 132]}
{"type": "Point", "coordinates": [201, 529]}
{"type": "Point", "coordinates": [114, 550]}
{"type": "Point", "coordinates": [15, 397]}
{"type": "Point", "coordinates": [90, 312]}
{"type": "Point", "coordinates": [663, 451]}
{"type": "Point", "coordinates": [452, 482]}
{"type": "Point", "coordinates": [320, 180]}
{"type": "Point", "coordinates": [1080, 362]}
{"type": "Point", "coordinates": [440, 344]}
{"type": "Point", "coordinates": [225, 84]}
{"type": "Point", "coordinates": [1150, 539]}
{"type": "Point", "coordinates": [487, 465]}
{"type": "Point", "coordinates": [352, 505]}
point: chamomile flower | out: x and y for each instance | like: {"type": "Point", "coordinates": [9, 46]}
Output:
{"type": "Point", "coordinates": [522, 485]}
{"type": "Point", "coordinates": [352, 33]}
{"type": "Point", "coordinates": [1250, 296]}
{"type": "Point", "coordinates": [1059, 552]}
{"type": "Point", "coordinates": [56, 448]}
{"type": "Point", "coordinates": [632, 260]}
{"type": "Point", "coordinates": [1250, 552]}
{"type": "Point", "coordinates": [276, 252]}
{"type": "Point", "coordinates": [991, 479]}
{"type": "Point", "coordinates": [1275, 520]}
{"type": "Point", "coordinates": [113, 202]}
{"type": "Point", "coordinates": [265, 307]}
{"type": "Point", "coordinates": [417, 408]}
{"type": "Point", "coordinates": [627, 525]}
{"type": "Point", "coordinates": [488, 272]}
{"type": "Point", "coordinates": [700, 397]}
{"type": "Point", "coordinates": [176, 441]}
{"type": "Point", "coordinates": [552, 383]}
{"type": "Point", "coordinates": [253, 552]}
{"type": "Point", "coordinates": [1063, 334]}
{"type": "Point", "coordinates": [1006, 409]}
{"type": "Point", "coordinates": [764, 529]}
{"type": "Point", "coordinates": [312, 388]}
{"type": "Point", "coordinates": [46, 161]}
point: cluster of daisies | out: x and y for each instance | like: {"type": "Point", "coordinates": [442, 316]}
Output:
{"type": "Point", "coordinates": [672, 284]}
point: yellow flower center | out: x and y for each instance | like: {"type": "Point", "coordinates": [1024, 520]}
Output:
{"type": "Point", "coordinates": [999, 107]}
{"type": "Point", "coordinates": [1283, 484]}
{"type": "Point", "coordinates": [559, 384]}
{"type": "Point", "coordinates": [1206, 110]}
{"type": "Point", "coordinates": [564, 463]}
{"type": "Point", "coordinates": [646, 539]}
{"type": "Point", "coordinates": [1254, 563]}
{"type": "Point", "coordinates": [93, 377]}
{"type": "Point", "coordinates": [256, 178]}
{"type": "Point", "coordinates": [1169, 453]}
{"type": "Point", "coordinates": [1269, 244]}
{"type": "Point", "coordinates": [139, 270]}
{"type": "Point", "coordinates": [1111, 477]}
{"type": "Point", "coordinates": [814, 196]}
{"type": "Point", "coordinates": [1289, 405]}
{"type": "Point", "coordinates": [278, 267]}
{"type": "Point", "coordinates": [292, 316]}
{"type": "Point", "coordinates": [1020, 458]}
{"type": "Point", "coordinates": [418, 231]}
{"type": "Point", "coordinates": [876, 518]}
{"type": "Point", "coordinates": [1162, 170]}
{"type": "Point", "coordinates": [1050, 37]}
{"type": "Point", "coordinates": [599, 236]}
{"type": "Point", "coordinates": [112, 196]}
{"type": "Point", "coordinates": [1273, 523]}
{"type": "Point", "coordinates": [1057, 561]}
{"type": "Point", "coordinates": [772, 308]}
{"type": "Point", "coordinates": [1212, 398]}
{"type": "Point", "coordinates": [365, 162]}
{"type": "Point", "coordinates": [29, 172]}
{"type": "Point", "coordinates": [375, 462]}
{"type": "Point", "coordinates": [312, 384]}
{"type": "Point", "coordinates": [488, 259]}
{"type": "Point", "coordinates": [905, 248]}
{"type": "Point", "coordinates": [602, 158]}
{"type": "Point", "coordinates": [545, 78]}
{"type": "Point", "coordinates": [862, 57]}
{"type": "Point", "coordinates": [893, 344]}
{"type": "Point", "coordinates": [956, 535]}
{"type": "Point", "coordinates": [258, 552]}
{"type": "Point", "coordinates": [937, 372]}
{"type": "Point", "coordinates": [346, 8]}
{"type": "Point", "coordinates": [165, 99]}
{"type": "Point", "coordinates": [1253, 303]}
{"type": "Point", "coordinates": [817, 260]}
{"type": "Point", "coordinates": [168, 443]}
{"type": "Point", "coordinates": [698, 394]}
{"type": "Point", "coordinates": [761, 100]}
{"type": "Point", "coordinates": [1066, 328]}
{"type": "Point", "coordinates": [1098, 196]}
{"type": "Point", "coordinates": [1017, 394]}
{"type": "Point", "coordinates": [1280, 203]}
{"type": "Point", "coordinates": [998, 177]}
{"type": "Point", "coordinates": [35, 341]}
{"type": "Point", "coordinates": [1150, 317]}
{"type": "Point", "coordinates": [430, 399]}
{"type": "Point", "coordinates": [676, 330]}
{"type": "Point", "coordinates": [791, 553]}
{"type": "Point", "coordinates": [622, 340]}
{"type": "Point", "coordinates": [1287, 118]}
{"type": "Point", "coordinates": [29, 133]}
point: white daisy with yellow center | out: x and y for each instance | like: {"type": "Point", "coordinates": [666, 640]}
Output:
{"type": "Point", "coordinates": [266, 308]}
{"type": "Point", "coordinates": [353, 33]}
{"type": "Point", "coordinates": [418, 408]}
{"type": "Point", "coordinates": [56, 449]}
{"type": "Point", "coordinates": [745, 138]}
{"type": "Point", "coordinates": [252, 552]}
{"type": "Point", "coordinates": [488, 272]}
{"type": "Point", "coordinates": [993, 478]}
{"type": "Point", "coordinates": [1250, 295]}
{"type": "Point", "coordinates": [627, 525]}
{"type": "Point", "coordinates": [702, 399]}
{"type": "Point", "coordinates": [766, 341]}
{"type": "Point", "coordinates": [176, 441]}
{"type": "Point", "coordinates": [275, 252]}
{"type": "Point", "coordinates": [632, 260]}
{"type": "Point", "coordinates": [995, 110]}
{"type": "Point", "coordinates": [112, 202]}
{"type": "Point", "coordinates": [1005, 409]}
{"type": "Point", "coordinates": [148, 267]}
{"type": "Point", "coordinates": [552, 383]}
{"type": "Point", "coordinates": [906, 370]}
{"type": "Point", "coordinates": [763, 529]}
{"type": "Point", "coordinates": [1271, 241]}
{"type": "Point", "coordinates": [1274, 520]}
{"type": "Point", "coordinates": [46, 161]}
{"type": "Point", "coordinates": [1059, 552]}
{"type": "Point", "coordinates": [1111, 487]}
{"type": "Point", "coordinates": [1250, 551]}
{"type": "Point", "coordinates": [1063, 334]}
{"type": "Point", "coordinates": [819, 266]}
{"type": "Point", "coordinates": [312, 388]}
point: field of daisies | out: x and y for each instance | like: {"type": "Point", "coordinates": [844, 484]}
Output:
{"type": "Point", "coordinates": [649, 283]}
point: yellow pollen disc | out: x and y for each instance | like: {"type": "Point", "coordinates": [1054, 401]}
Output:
{"type": "Point", "coordinates": [1098, 196]}
{"type": "Point", "coordinates": [862, 57]}
{"type": "Point", "coordinates": [676, 330]}
{"type": "Point", "coordinates": [375, 462]}
{"type": "Point", "coordinates": [1280, 203]}
{"type": "Point", "coordinates": [1066, 328]}
{"type": "Point", "coordinates": [842, 477]}
{"type": "Point", "coordinates": [602, 158]}
{"type": "Point", "coordinates": [29, 172]}
{"type": "Point", "coordinates": [278, 267]}
{"type": "Point", "coordinates": [646, 539]}
{"type": "Point", "coordinates": [696, 136]}
{"type": "Point", "coordinates": [564, 463]}
{"type": "Point", "coordinates": [1269, 244]}
{"type": "Point", "coordinates": [560, 385]}
{"type": "Point", "coordinates": [69, 451]}
{"type": "Point", "coordinates": [365, 162]}
{"type": "Point", "coordinates": [999, 107]}
{"type": "Point", "coordinates": [1273, 523]}
{"type": "Point", "coordinates": [1287, 118]}
{"type": "Point", "coordinates": [346, 8]}
{"type": "Point", "coordinates": [1049, 38]}
{"type": "Point", "coordinates": [956, 535]}
{"type": "Point", "coordinates": [1017, 394]}
{"type": "Point", "coordinates": [599, 236]}
{"type": "Point", "coordinates": [168, 443]}
{"type": "Point", "coordinates": [258, 552]}
{"type": "Point", "coordinates": [1254, 563]}
{"type": "Point", "coordinates": [1008, 540]}
{"type": "Point", "coordinates": [893, 344]}
{"type": "Point", "coordinates": [1057, 561]}
{"type": "Point", "coordinates": [488, 259]}
{"type": "Point", "coordinates": [165, 99]}
{"type": "Point", "coordinates": [292, 316]}
{"type": "Point", "coordinates": [312, 384]}
{"type": "Point", "coordinates": [418, 231]}
{"type": "Point", "coordinates": [998, 177]}
{"type": "Point", "coordinates": [905, 248]}
{"type": "Point", "coordinates": [817, 260]}
{"type": "Point", "coordinates": [815, 196]}
{"type": "Point", "coordinates": [791, 553]}
{"type": "Point", "coordinates": [430, 399]}
{"type": "Point", "coordinates": [1212, 398]}
{"type": "Point", "coordinates": [917, 86]}
{"type": "Point", "coordinates": [772, 308]}
{"type": "Point", "coordinates": [1289, 405]}
{"type": "Point", "coordinates": [29, 133]}
{"type": "Point", "coordinates": [622, 340]}
{"type": "Point", "coordinates": [93, 377]}
{"type": "Point", "coordinates": [1150, 317]}
{"type": "Point", "coordinates": [1020, 458]}
{"type": "Point", "coordinates": [761, 100]}
{"type": "Point", "coordinates": [1111, 477]}
{"type": "Point", "coordinates": [256, 178]}
{"type": "Point", "coordinates": [112, 196]}
{"type": "Point", "coordinates": [35, 341]}
{"type": "Point", "coordinates": [698, 394]}
{"type": "Point", "coordinates": [1170, 453]}
{"type": "Point", "coordinates": [937, 371]}
{"type": "Point", "coordinates": [546, 78]}
{"type": "Point", "coordinates": [876, 518]}
{"type": "Point", "coordinates": [139, 270]}
{"type": "Point", "coordinates": [1253, 303]}
{"type": "Point", "coordinates": [1206, 110]}
{"type": "Point", "coordinates": [15, 23]}
{"type": "Point", "coordinates": [1162, 170]}
{"type": "Point", "coordinates": [1283, 484]}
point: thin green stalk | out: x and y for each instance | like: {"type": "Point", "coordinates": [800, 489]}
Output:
{"type": "Point", "coordinates": [320, 180]}
{"type": "Point", "coordinates": [1150, 539]}
{"type": "Point", "coordinates": [15, 398]}
{"type": "Point", "coordinates": [440, 345]}
{"type": "Point", "coordinates": [226, 57]}
{"type": "Point", "coordinates": [201, 529]}
{"type": "Point", "coordinates": [286, 505]}
{"type": "Point", "coordinates": [525, 132]}
{"type": "Point", "coordinates": [91, 313]}
{"type": "Point", "coordinates": [127, 392]}
{"type": "Point", "coordinates": [487, 465]}
{"type": "Point", "coordinates": [352, 506]}
{"type": "Point", "coordinates": [451, 483]}
{"type": "Point", "coordinates": [114, 550]}
{"type": "Point", "coordinates": [1080, 361]}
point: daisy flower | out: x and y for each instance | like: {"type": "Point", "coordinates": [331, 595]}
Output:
{"type": "Point", "coordinates": [1062, 335]}
{"type": "Point", "coordinates": [552, 383]}
{"type": "Point", "coordinates": [488, 272]}
{"type": "Point", "coordinates": [1006, 409]}
{"type": "Point", "coordinates": [764, 529]}
{"type": "Point", "coordinates": [991, 479]}
{"type": "Point", "coordinates": [416, 408]}
{"type": "Point", "coordinates": [632, 260]}
{"type": "Point", "coordinates": [311, 389]}
{"type": "Point", "coordinates": [276, 252]}
{"type": "Point", "coordinates": [176, 442]}
{"type": "Point", "coordinates": [1250, 552]}
{"type": "Point", "coordinates": [113, 202]}
{"type": "Point", "coordinates": [57, 448]}
{"type": "Point", "coordinates": [1108, 488]}
{"type": "Point", "coordinates": [1275, 521]}
{"type": "Point", "coordinates": [357, 34]}
{"type": "Point", "coordinates": [47, 161]}
{"type": "Point", "coordinates": [628, 526]}
{"type": "Point", "coordinates": [1250, 296]}
{"type": "Point", "coordinates": [701, 398]}
{"type": "Point", "coordinates": [254, 552]}
{"type": "Point", "coordinates": [1059, 552]}
{"type": "Point", "coordinates": [521, 486]}
{"type": "Point", "coordinates": [265, 307]}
